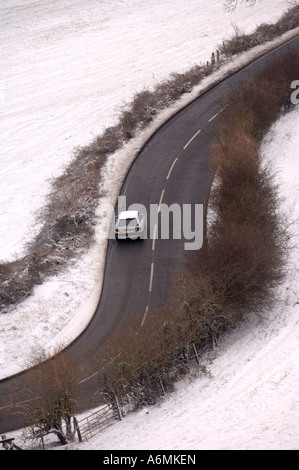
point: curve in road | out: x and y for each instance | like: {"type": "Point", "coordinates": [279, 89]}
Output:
{"type": "Point", "coordinates": [173, 167]}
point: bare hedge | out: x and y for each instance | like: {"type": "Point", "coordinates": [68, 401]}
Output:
{"type": "Point", "coordinates": [242, 260]}
{"type": "Point", "coordinates": [242, 42]}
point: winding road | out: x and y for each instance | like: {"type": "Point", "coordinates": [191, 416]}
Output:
{"type": "Point", "coordinates": [173, 167]}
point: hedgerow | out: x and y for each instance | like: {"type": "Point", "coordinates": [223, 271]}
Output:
{"type": "Point", "coordinates": [242, 260]}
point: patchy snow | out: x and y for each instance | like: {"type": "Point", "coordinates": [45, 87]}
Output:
{"type": "Point", "coordinates": [67, 69]}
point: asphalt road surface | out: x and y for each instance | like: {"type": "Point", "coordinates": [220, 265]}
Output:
{"type": "Point", "coordinates": [174, 167]}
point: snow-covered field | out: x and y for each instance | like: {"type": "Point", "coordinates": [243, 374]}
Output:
{"type": "Point", "coordinates": [67, 68]}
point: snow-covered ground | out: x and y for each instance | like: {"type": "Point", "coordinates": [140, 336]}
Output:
{"type": "Point", "coordinates": [249, 399]}
{"type": "Point", "coordinates": [67, 68]}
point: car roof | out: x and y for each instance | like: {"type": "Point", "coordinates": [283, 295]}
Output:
{"type": "Point", "coordinates": [128, 215]}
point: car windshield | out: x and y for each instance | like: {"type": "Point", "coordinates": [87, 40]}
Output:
{"type": "Point", "coordinates": [126, 222]}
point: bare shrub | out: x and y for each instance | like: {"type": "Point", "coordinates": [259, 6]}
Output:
{"type": "Point", "coordinates": [290, 19]}
{"type": "Point", "coordinates": [231, 5]}
{"type": "Point", "coordinates": [144, 106]}
{"type": "Point", "coordinates": [47, 395]}
{"type": "Point", "coordinates": [140, 363]}
{"type": "Point", "coordinates": [254, 106]}
{"type": "Point", "coordinates": [241, 42]}
{"type": "Point", "coordinates": [245, 253]}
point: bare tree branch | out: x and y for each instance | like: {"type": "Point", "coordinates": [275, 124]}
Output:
{"type": "Point", "coordinates": [231, 5]}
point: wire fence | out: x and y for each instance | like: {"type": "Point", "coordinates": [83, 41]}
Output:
{"type": "Point", "coordinates": [107, 415]}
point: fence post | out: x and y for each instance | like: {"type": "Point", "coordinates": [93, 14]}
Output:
{"type": "Point", "coordinates": [76, 425]}
{"type": "Point", "coordinates": [118, 408]}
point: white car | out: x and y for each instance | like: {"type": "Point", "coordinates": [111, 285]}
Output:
{"type": "Point", "coordinates": [129, 224]}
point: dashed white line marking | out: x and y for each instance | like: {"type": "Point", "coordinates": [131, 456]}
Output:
{"type": "Point", "coordinates": [171, 168]}
{"type": "Point", "coordinates": [154, 237]}
{"type": "Point", "coordinates": [95, 373]}
{"type": "Point", "coordinates": [151, 278]}
{"type": "Point", "coordinates": [161, 199]}
{"type": "Point", "coordinates": [88, 378]}
{"type": "Point", "coordinates": [145, 315]}
{"type": "Point", "coordinates": [20, 402]}
{"type": "Point", "coordinates": [196, 134]}
{"type": "Point", "coordinates": [215, 115]}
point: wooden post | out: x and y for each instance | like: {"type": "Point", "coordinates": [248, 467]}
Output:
{"type": "Point", "coordinates": [118, 408]}
{"type": "Point", "coordinates": [213, 58]}
{"type": "Point", "coordinates": [218, 56]}
{"type": "Point", "coordinates": [42, 440]}
{"type": "Point", "coordinates": [8, 443]}
{"type": "Point", "coordinates": [16, 447]}
{"type": "Point", "coordinates": [76, 426]}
